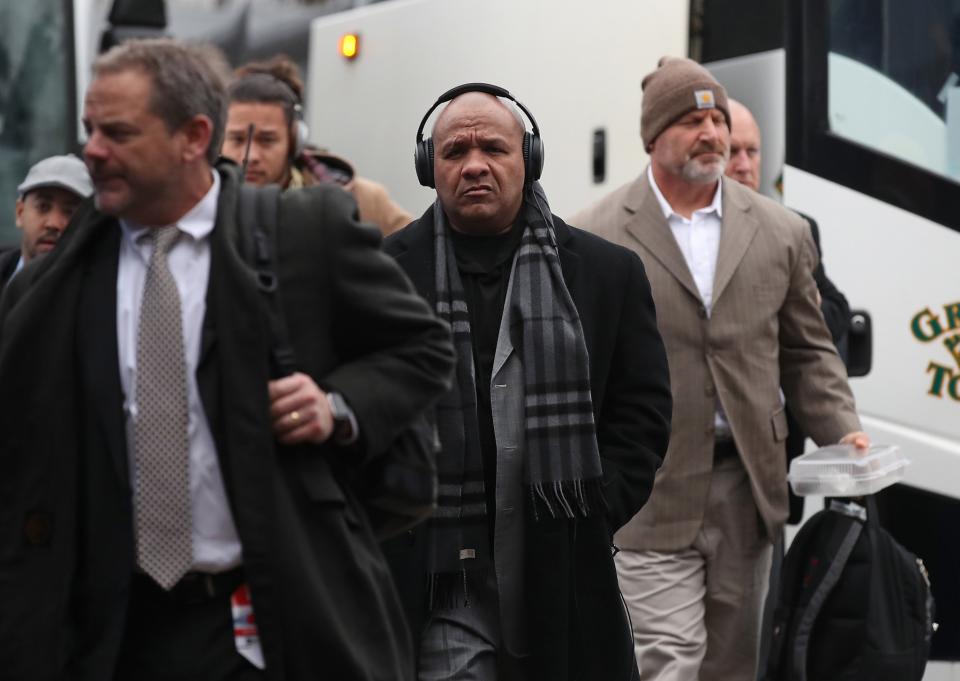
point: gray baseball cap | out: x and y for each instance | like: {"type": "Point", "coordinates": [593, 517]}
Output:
{"type": "Point", "coordinates": [68, 172]}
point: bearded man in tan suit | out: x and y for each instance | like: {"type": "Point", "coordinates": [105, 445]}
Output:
{"type": "Point", "coordinates": [731, 273]}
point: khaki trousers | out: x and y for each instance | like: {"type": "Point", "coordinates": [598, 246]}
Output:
{"type": "Point", "coordinates": [696, 612]}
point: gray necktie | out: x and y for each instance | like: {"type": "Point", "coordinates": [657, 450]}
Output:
{"type": "Point", "coordinates": [163, 512]}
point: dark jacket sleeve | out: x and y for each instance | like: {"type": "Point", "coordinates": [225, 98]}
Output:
{"type": "Point", "coordinates": [834, 305]}
{"type": "Point", "coordinates": [633, 428]}
{"type": "Point", "coordinates": [397, 357]}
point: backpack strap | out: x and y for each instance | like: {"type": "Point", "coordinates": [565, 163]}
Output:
{"type": "Point", "coordinates": [257, 214]}
{"type": "Point", "coordinates": [783, 614]}
{"type": "Point", "coordinates": [808, 617]}
{"type": "Point", "coordinates": [873, 513]}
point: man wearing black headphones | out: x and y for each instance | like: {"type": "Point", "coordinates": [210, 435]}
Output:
{"type": "Point", "coordinates": [266, 134]}
{"type": "Point", "coordinates": [557, 421]}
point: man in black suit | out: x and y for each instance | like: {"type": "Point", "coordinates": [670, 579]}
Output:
{"type": "Point", "coordinates": [154, 480]}
{"type": "Point", "coordinates": [47, 198]}
{"type": "Point", "coordinates": [556, 424]}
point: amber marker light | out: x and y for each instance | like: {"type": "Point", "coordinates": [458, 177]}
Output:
{"type": "Point", "coordinates": [350, 45]}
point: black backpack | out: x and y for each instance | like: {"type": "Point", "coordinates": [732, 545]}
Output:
{"type": "Point", "coordinates": [854, 605]}
{"type": "Point", "coordinates": [398, 489]}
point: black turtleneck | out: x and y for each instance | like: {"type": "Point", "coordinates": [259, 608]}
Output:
{"type": "Point", "coordinates": [484, 263]}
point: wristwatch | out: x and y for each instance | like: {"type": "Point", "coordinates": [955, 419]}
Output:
{"type": "Point", "coordinates": [344, 422]}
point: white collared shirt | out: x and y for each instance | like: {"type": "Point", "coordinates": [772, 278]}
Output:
{"type": "Point", "coordinates": [216, 546]}
{"type": "Point", "coordinates": [697, 237]}
{"type": "Point", "coordinates": [699, 240]}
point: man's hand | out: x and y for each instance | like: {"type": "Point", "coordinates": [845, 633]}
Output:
{"type": "Point", "coordinates": [858, 439]}
{"type": "Point", "coordinates": [300, 410]}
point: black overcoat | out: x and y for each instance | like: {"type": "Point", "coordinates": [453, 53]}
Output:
{"type": "Point", "coordinates": [576, 619]}
{"type": "Point", "coordinates": [8, 264]}
{"type": "Point", "coordinates": [322, 594]}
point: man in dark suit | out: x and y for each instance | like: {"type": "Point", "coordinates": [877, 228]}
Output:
{"type": "Point", "coordinates": [556, 424]}
{"type": "Point", "coordinates": [156, 484]}
{"type": "Point", "coordinates": [48, 197]}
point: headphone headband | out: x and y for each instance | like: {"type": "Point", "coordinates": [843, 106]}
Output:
{"type": "Point", "coordinates": [487, 88]}
{"type": "Point", "coordinates": [532, 144]}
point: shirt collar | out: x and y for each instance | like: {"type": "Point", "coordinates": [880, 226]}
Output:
{"type": "Point", "coordinates": [715, 205]}
{"type": "Point", "coordinates": [197, 222]}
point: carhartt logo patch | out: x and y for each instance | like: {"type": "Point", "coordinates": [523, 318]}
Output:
{"type": "Point", "coordinates": [704, 99]}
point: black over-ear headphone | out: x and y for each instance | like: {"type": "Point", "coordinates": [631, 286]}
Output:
{"type": "Point", "coordinates": [532, 143]}
{"type": "Point", "coordinates": [299, 132]}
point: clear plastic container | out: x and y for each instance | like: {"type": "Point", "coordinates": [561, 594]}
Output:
{"type": "Point", "coordinates": [841, 471]}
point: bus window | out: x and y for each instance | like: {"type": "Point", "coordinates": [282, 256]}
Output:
{"type": "Point", "coordinates": [36, 99]}
{"type": "Point", "coordinates": [893, 79]}
{"type": "Point", "coordinates": [873, 99]}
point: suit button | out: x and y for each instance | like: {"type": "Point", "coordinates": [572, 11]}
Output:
{"type": "Point", "coordinates": [710, 391]}
{"type": "Point", "coordinates": [702, 311]}
{"type": "Point", "coordinates": [710, 430]}
{"type": "Point", "coordinates": [37, 528]}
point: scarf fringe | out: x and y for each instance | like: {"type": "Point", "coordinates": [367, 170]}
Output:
{"type": "Point", "coordinates": [568, 498]}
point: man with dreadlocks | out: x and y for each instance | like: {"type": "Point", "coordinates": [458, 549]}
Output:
{"type": "Point", "coordinates": [557, 421]}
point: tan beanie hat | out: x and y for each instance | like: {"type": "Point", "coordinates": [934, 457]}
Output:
{"type": "Point", "coordinates": [677, 87]}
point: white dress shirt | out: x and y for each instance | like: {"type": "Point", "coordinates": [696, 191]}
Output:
{"type": "Point", "coordinates": [216, 546]}
{"type": "Point", "coordinates": [699, 240]}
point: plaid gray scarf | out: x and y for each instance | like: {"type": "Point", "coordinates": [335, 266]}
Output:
{"type": "Point", "coordinates": [561, 461]}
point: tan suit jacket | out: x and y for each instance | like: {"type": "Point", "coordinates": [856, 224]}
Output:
{"type": "Point", "coordinates": [765, 332]}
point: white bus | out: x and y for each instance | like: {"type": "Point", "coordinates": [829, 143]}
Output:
{"type": "Point", "coordinates": [873, 152]}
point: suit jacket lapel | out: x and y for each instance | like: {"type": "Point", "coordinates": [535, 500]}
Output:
{"type": "Point", "coordinates": [739, 228]}
{"type": "Point", "coordinates": [504, 342]}
{"type": "Point", "coordinates": [97, 341]}
{"type": "Point", "coordinates": [645, 222]}
{"type": "Point", "coordinates": [232, 304]}
{"type": "Point", "coordinates": [232, 377]}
